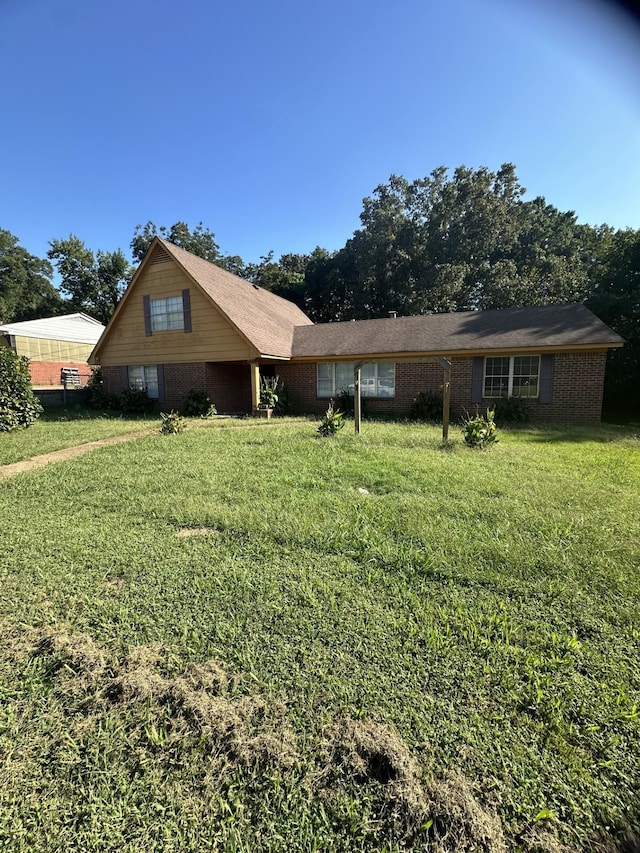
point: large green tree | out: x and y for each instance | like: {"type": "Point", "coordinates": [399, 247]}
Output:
{"type": "Point", "coordinates": [26, 291]}
{"type": "Point", "coordinates": [615, 298]}
{"type": "Point", "coordinates": [94, 283]}
{"type": "Point", "coordinates": [450, 243]}
{"type": "Point", "coordinates": [285, 277]}
{"type": "Point", "coordinates": [199, 241]}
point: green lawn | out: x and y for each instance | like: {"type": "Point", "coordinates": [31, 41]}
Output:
{"type": "Point", "coordinates": [250, 639]}
{"type": "Point", "coordinates": [58, 428]}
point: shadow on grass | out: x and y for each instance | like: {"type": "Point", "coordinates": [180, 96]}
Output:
{"type": "Point", "coordinates": [572, 434]}
{"type": "Point", "coordinates": [55, 414]}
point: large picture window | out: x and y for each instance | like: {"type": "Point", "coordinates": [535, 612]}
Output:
{"type": "Point", "coordinates": [167, 313]}
{"type": "Point", "coordinates": [145, 378]}
{"type": "Point", "coordinates": [512, 376]}
{"type": "Point", "coordinates": [377, 379]}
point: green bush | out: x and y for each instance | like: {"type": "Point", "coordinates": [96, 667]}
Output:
{"type": "Point", "coordinates": [512, 410]}
{"type": "Point", "coordinates": [269, 392]}
{"type": "Point", "coordinates": [19, 407]}
{"type": "Point", "coordinates": [283, 406]}
{"type": "Point", "coordinates": [172, 423]}
{"type": "Point", "coordinates": [427, 406]}
{"type": "Point", "coordinates": [344, 403]}
{"type": "Point", "coordinates": [480, 431]}
{"type": "Point", "coordinates": [198, 404]}
{"type": "Point", "coordinates": [135, 401]}
{"type": "Point", "coordinates": [330, 423]}
{"type": "Point", "coordinates": [98, 397]}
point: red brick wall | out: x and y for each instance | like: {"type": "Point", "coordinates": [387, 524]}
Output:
{"type": "Point", "coordinates": [179, 379]}
{"type": "Point", "coordinates": [49, 372]}
{"type": "Point", "coordinates": [577, 388]}
{"type": "Point", "coordinates": [229, 386]}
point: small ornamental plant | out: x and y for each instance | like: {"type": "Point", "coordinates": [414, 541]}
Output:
{"type": "Point", "coordinates": [331, 423]}
{"type": "Point", "coordinates": [268, 392]}
{"type": "Point", "coordinates": [480, 431]}
{"type": "Point", "coordinates": [198, 404]}
{"type": "Point", "coordinates": [172, 423]}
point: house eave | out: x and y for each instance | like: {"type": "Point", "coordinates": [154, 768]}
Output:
{"type": "Point", "coordinates": [454, 353]}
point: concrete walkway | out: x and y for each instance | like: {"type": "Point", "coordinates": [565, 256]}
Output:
{"type": "Point", "coordinates": [66, 453]}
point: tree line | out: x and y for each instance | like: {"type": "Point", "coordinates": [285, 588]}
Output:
{"type": "Point", "coordinates": [452, 241]}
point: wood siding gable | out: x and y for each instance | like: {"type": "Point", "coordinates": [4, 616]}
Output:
{"type": "Point", "coordinates": [207, 335]}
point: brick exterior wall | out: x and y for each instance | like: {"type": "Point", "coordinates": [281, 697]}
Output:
{"type": "Point", "coordinates": [229, 386]}
{"type": "Point", "coordinates": [179, 379]}
{"type": "Point", "coordinates": [49, 372]}
{"type": "Point", "coordinates": [578, 383]}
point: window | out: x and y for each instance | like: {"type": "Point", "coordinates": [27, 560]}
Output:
{"type": "Point", "coordinates": [377, 379]}
{"type": "Point", "coordinates": [512, 376]}
{"type": "Point", "coordinates": [144, 377]}
{"type": "Point", "coordinates": [167, 313]}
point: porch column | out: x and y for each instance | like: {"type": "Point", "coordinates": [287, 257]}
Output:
{"type": "Point", "coordinates": [255, 385]}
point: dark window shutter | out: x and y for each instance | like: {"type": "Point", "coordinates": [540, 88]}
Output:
{"type": "Point", "coordinates": [146, 304]}
{"type": "Point", "coordinates": [160, 372]}
{"type": "Point", "coordinates": [477, 379]}
{"type": "Point", "coordinates": [186, 307]}
{"type": "Point", "coordinates": [546, 378]}
{"type": "Point", "coordinates": [124, 377]}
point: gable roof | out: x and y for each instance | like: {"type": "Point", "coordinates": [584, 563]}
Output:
{"type": "Point", "coordinates": [265, 320]}
{"type": "Point", "coordinates": [76, 328]}
{"type": "Point", "coordinates": [541, 327]}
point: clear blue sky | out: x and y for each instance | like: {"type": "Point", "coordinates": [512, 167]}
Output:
{"type": "Point", "coordinates": [270, 120]}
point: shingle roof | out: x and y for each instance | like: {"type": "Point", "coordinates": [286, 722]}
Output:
{"type": "Point", "coordinates": [557, 326]}
{"type": "Point", "coordinates": [76, 328]}
{"type": "Point", "coordinates": [265, 319]}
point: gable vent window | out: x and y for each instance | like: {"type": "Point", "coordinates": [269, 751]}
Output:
{"type": "Point", "coordinates": [160, 256]}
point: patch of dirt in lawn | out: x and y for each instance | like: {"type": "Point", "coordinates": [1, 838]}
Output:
{"type": "Point", "coordinates": [161, 720]}
{"type": "Point", "coordinates": [445, 813]}
{"type": "Point", "coordinates": [186, 532]}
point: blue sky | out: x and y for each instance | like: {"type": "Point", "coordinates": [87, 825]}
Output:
{"type": "Point", "coordinates": [270, 120]}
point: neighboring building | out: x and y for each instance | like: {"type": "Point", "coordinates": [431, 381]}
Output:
{"type": "Point", "coordinates": [185, 323]}
{"type": "Point", "coordinates": [54, 343]}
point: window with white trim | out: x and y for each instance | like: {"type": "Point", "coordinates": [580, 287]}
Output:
{"type": "Point", "coordinates": [144, 377]}
{"type": "Point", "coordinates": [512, 376]}
{"type": "Point", "coordinates": [166, 313]}
{"type": "Point", "coordinates": [377, 379]}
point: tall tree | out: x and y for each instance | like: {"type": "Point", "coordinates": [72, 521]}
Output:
{"type": "Point", "coordinates": [452, 243]}
{"type": "Point", "coordinates": [93, 282]}
{"type": "Point", "coordinates": [200, 241]}
{"type": "Point", "coordinates": [615, 298]}
{"type": "Point", "coordinates": [26, 291]}
{"type": "Point", "coordinates": [285, 277]}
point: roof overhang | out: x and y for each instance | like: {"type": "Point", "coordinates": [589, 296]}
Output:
{"type": "Point", "coordinates": [453, 353]}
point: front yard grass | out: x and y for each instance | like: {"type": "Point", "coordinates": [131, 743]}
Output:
{"type": "Point", "coordinates": [257, 640]}
{"type": "Point", "coordinates": [58, 428]}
